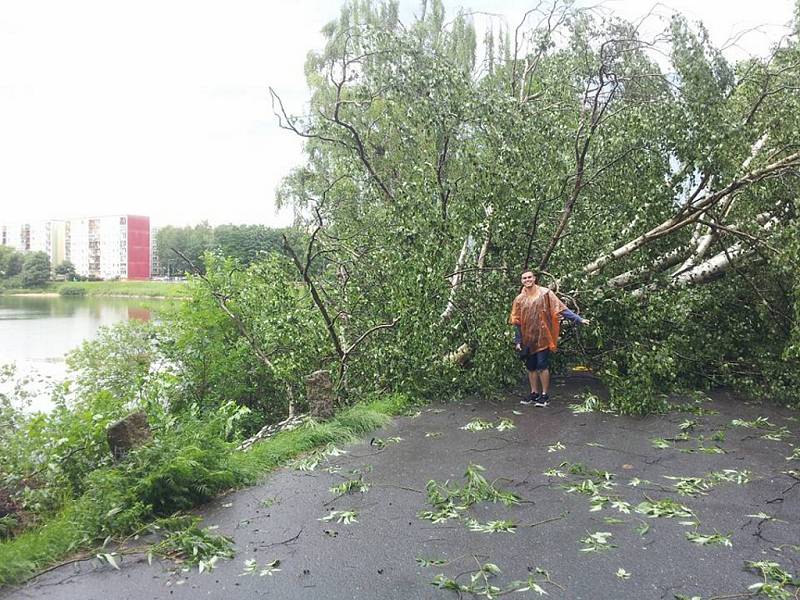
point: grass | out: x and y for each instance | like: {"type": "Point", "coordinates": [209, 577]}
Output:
{"type": "Point", "coordinates": [48, 288]}
{"type": "Point", "coordinates": [83, 523]}
{"type": "Point", "coordinates": [157, 289]}
{"type": "Point", "coordinates": [348, 426]}
{"type": "Point", "coordinates": [125, 288]}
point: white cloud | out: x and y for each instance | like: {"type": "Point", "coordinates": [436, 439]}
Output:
{"type": "Point", "coordinates": [161, 107]}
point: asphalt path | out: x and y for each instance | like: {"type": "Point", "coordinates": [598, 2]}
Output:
{"type": "Point", "coordinates": [387, 553]}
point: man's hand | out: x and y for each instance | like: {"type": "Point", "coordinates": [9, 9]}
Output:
{"type": "Point", "coordinates": [585, 322]}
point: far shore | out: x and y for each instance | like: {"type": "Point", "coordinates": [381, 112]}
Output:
{"type": "Point", "coordinates": [156, 290]}
{"type": "Point", "coordinates": [57, 295]}
{"type": "Point", "coordinates": [45, 294]}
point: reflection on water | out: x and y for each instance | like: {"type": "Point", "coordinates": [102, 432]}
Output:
{"type": "Point", "coordinates": [138, 313]}
{"type": "Point", "coordinates": [37, 331]}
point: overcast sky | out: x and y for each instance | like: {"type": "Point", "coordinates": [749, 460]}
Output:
{"type": "Point", "coordinates": [161, 107]}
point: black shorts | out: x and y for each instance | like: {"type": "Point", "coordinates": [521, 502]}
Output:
{"type": "Point", "coordinates": [538, 361]}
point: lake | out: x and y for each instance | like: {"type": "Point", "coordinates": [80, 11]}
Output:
{"type": "Point", "coordinates": [37, 331]}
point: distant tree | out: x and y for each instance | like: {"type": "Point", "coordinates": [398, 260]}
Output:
{"type": "Point", "coordinates": [5, 255]}
{"type": "Point", "coordinates": [10, 262]}
{"type": "Point", "coordinates": [247, 243]}
{"type": "Point", "coordinates": [192, 242]}
{"type": "Point", "coordinates": [35, 269]}
{"type": "Point", "coordinates": [67, 269]}
{"type": "Point", "coordinates": [200, 240]}
{"type": "Point", "coordinates": [165, 238]}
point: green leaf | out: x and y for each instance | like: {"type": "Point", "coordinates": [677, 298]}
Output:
{"type": "Point", "coordinates": [622, 574]}
{"type": "Point", "coordinates": [346, 517]}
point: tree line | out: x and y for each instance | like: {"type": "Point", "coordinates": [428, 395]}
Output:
{"type": "Point", "coordinates": [23, 269]}
{"type": "Point", "coordinates": [176, 247]}
{"type": "Point", "coordinates": [177, 250]}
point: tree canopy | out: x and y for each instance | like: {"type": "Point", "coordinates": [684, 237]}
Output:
{"type": "Point", "coordinates": [652, 181]}
{"type": "Point", "coordinates": [35, 269]}
{"type": "Point", "coordinates": [246, 243]}
{"type": "Point", "coordinates": [67, 269]}
{"type": "Point", "coordinates": [10, 262]}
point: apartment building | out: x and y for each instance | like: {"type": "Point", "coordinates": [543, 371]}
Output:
{"type": "Point", "coordinates": [35, 236]}
{"type": "Point", "coordinates": [155, 264]}
{"type": "Point", "coordinates": [106, 247]}
{"type": "Point", "coordinates": [109, 247]}
{"type": "Point", "coordinates": [15, 235]}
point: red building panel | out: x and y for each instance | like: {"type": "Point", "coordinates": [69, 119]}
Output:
{"type": "Point", "coordinates": [138, 247]}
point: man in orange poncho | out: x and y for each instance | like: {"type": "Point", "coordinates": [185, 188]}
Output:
{"type": "Point", "coordinates": [536, 314]}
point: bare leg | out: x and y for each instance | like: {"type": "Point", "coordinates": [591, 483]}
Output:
{"type": "Point", "coordinates": [533, 379]}
{"type": "Point", "coordinates": [544, 374]}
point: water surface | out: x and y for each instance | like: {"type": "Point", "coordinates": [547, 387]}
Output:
{"type": "Point", "coordinates": [36, 332]}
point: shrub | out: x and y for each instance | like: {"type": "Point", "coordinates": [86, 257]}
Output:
{"type": "Point", "coordinates": [71, 290]}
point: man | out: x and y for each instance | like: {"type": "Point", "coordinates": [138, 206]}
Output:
{"type": "Point", "coordinates": [536, 314]}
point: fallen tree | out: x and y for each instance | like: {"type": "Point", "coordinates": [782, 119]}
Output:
{"type": "Point", "coordinates": [655, 189]}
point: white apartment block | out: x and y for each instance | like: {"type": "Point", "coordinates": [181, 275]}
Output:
{"type": "Point", "coordinates": [98, 247]}
{"type": "Point", "coordinates": [155, 264]}
{"type": "Point", "coordinates": [107, 247]}
{"type": "Point", "coordinates": [36, 236]}
{"type": "Point", "coordinates": [15, 235]}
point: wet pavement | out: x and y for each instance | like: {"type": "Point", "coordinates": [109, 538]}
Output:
{"type": "Point", "coordinates": [749, 496]}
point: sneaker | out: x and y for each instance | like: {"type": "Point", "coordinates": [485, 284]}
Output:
{"type": "Point", "coordinates": [542, 401]}
{"type": "Point", "coordinates": [531, 399]}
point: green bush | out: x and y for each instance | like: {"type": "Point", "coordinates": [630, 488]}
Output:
{"type": "Point", "coordinates": [192, 458]}
{"type": "Point", "coordinates": [35, 269]}
{"type": "Point", "coordinates": [45, 459]}
{"type": "Point", "coordinates": [71, 290]}
{"type": "Point", "coordinates": [215, 360]}
{"type": "Point", "coordinates": [8, 524]}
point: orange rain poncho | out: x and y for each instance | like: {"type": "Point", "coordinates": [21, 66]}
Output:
{"type": "Point", "coordinates": [537, 314]}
